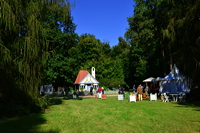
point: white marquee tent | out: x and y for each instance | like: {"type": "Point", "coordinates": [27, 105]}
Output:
{"type": "Point", "coordinates": [149, 79]}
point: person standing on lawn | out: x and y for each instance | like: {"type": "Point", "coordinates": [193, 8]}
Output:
{"type": "Point", "coordinates": [146, 91]}
{"type": "Point", "coordinates": [102, 90]}
{"type": "Point", "coordinates": [140, 91]}
{"type": "Point", "coordinates": [91, 90]}
{"type": "Point", "coordinates": [120, 90]}
{"type": "Point", "coordinates": [134, 90]}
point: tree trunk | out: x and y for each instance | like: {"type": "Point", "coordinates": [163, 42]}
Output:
{"type": "Point", "coordinates": [170, 57]}
{"type": "Point", "coordinates": [163, 57]}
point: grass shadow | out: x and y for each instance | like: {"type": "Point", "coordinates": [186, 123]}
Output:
{"type": "Point", "coordinates": [78, 98]}
{"type": "Point", "coordinates": [58, 100]}
{"type": "Point", "coordinates": [26, 124]}
{"type": "Point", "coordinates": [54, 101]}
{"type": "Point", "coordinates": [190, 103]}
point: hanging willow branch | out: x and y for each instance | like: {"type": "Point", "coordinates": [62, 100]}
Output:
{"type": "Point", "coordinates": [24, 49]}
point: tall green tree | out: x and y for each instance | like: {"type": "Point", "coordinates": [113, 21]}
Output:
{"type": "Point", "coordinates": [183, 35]}
{"type": "Point", "coordinates": [91, 52]}
{"type": "Point", "coordinates": [121, 52]}
{"type": "Point", "coordinates": [62, 38]}
{"type": "Point", "coordinates": [140, 36]}
{"type": "Point", "coordinates": [146, 39]}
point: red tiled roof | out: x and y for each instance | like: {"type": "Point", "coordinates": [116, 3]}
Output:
{"type": "Point", "coordinates": [81, 75]}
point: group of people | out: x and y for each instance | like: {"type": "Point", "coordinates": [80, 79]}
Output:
{"type": "Point", "coordinates": [99, 90]}
{"type": "Point", "coordinates": [121, 90]}
{"type": "Point", "coordinates": [65, 90]}
{"type": "Point", "coordinates": [140, 90]}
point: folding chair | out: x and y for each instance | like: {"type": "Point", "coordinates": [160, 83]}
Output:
{"type": "Point", "coordinates": [166, 97]}
{"type": "Point", "coordinates": [120, 97]}
{"type": "Point", "coordinates": [153, 97]}
{"type": "Point", "coordinates": [162, 97]}
{"type": "Point", "coordinates": [182, 97]}
{"type": "Point", "coordinates": [132, 98]}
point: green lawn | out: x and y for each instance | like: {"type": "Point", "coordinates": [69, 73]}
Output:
{"type": "Point", "coordinates": [89, 115]}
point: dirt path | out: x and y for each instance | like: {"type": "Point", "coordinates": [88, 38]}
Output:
{"type": "Point", "coordinates": [79, 97]}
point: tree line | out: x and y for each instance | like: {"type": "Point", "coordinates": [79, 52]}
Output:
{"type": "Point", "coordinates": [39, 45]}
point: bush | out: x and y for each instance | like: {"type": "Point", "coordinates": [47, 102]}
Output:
{"type": "Point", "coordinates": [21, 108]}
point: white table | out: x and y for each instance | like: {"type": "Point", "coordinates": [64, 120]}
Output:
{"type": "Point", "coordinates": [99, 95]}
{"type": "Point", "coordinates": [153, 97]}
{"type": "Point", "coordinates": [120, 97]}
{"type": "Point", "coordinates": [175, 97]}
{"type": "Point", "coordinates": [132, 98]}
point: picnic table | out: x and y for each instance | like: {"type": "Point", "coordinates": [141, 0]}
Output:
{"type": "Point", "coordinates": [175, 97]}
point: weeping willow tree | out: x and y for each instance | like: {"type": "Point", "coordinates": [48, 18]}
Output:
{"type": "Point", "coordinates": [184, 36]}
{"type": "Point", "coordinates": [24, 49]}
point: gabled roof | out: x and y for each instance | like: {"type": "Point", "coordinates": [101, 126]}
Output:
{"type": "Point", "coordinates": [84, 77]}
{"type": "Point", "coordinates": [81, 75]}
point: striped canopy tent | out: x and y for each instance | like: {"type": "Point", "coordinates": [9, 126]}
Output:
{"type": "Point", "coordinates": [175, 82]}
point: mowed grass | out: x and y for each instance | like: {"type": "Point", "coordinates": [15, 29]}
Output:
{"type": "Point", "coordinates": [89, 115]}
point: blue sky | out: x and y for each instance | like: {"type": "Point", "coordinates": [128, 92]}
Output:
{"type": "Point", "coordinates": [106, 19]}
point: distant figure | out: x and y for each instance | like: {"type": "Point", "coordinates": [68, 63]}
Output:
{"type": "Point", "coordinates": [121, 90]}
{"type": "Point", "coordinates": [102, 90]}
{"type": "Point", "coordinates": [99, 90]}
{"type": "Point", "coordinates": [140, 91]}
{"type": "Point", "coordinates": [151, 88]}
{"type": "Point", "coordinates": [67, 89]}
{"type": "Point", "coordinates": [63, 91]}
{"type": "Point", "coordinates": [146, 90]}
{"type": "Point", "coordinates": [134, 89]}
{"type": "Point", "coordinates": [42, 90]}
{"type": "Point", "coordinates": [91, 90]}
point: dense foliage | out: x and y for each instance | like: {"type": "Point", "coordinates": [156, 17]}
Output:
{"type": "Point", "coordinates": [38, 45]}
{"type": "Point", "coordinates": [183, 36]}
{"type": "Point", "coordinates": [24, 50]}
{"type": "Point", "coordinates": [163, 33]}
